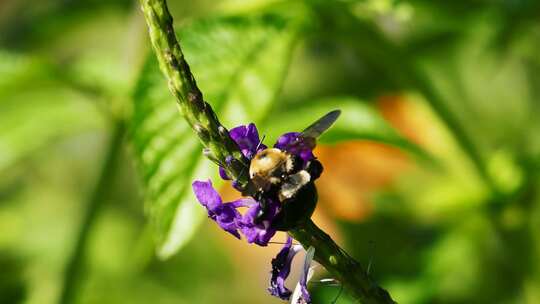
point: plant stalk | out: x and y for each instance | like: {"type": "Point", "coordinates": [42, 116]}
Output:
{"type": "Point", "coordinates": [225, 152]}
{"type": "Point", "coordinates": [345, 268]}
{"type": "Point", "coordinates": [199, 114]}
{"type": "Point", "coordinates": [74, 268]}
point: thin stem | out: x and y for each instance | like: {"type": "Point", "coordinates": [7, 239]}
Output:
{"type": "Point", "coordinates": [198, 113]}
{"type": "Point", "coordinates": [460, 135]}
{"type": "Point", "coordinates": [346, 269]}
{"type": "Point", "coordinates": [74, 269]}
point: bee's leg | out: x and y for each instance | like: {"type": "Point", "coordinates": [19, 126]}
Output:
{"type": "Point", "coordinates": [264, 197]}
{"type": "Point", "coordinates": [250, 190]}
{"type": "Point", "coordinates": [315, 169]}
{"type": "Point", "coordinates": [263, 202]}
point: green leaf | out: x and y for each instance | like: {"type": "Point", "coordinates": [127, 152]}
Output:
{"type": "Point", "coordinates": [358, 120]}
{"type": "Point", "coordinates": [239, 64]}
{"type": "Point", "coordinates": [17, 71]}
{"type": "Point", "coordinates": [30, 119]}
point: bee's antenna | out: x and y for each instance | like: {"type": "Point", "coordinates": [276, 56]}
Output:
{"type": "Point", "coordinates": [282, 243]}
{"type": "Point", "coordinates": [260, 142]}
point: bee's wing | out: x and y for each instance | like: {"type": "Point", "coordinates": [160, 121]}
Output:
{"type": "Point", "coordinates": [321, 125]}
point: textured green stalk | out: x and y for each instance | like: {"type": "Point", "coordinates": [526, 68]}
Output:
{"type": "Point", "coordinates": [73, 270]}
{"type": "Point", "coordinates": [198, 113]}
{"type": "Point", "coordinates": [224, 150]}
{"type": "Point", "coordinates": [346, 269]}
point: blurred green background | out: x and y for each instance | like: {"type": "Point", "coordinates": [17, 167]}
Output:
{"type": "Point", "coordinates": [431, 174]}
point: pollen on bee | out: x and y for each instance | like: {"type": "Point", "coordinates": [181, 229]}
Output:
{"type": "Point", "coordinates": [265, 162]}
{"type": "Point", "coordinates": [289, 165]}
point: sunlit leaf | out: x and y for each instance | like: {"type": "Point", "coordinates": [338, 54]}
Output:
{"type": "Point", "coordinates": [17, 70]}
{"type": "Point", "coordinates": [32, 118]}
{"type": "Point", "coordinates": [239, 64]}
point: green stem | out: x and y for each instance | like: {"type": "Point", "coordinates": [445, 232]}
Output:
{"type": "Point", "coordinates": [198, 113]}
{"type": "Point", "coordinates": [224, 151]}
{"type": "Point", "coordinates": [460, 135]}
{"type": "Point", "coordinates": [346, 269]}
{"type": "Point", "coordinates": [73, 270]}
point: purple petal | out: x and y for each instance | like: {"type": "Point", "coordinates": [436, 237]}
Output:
{"type": "Point", "coordinates": [286, 139]}
{"type": "Point", "coordinates": [306, 298]}
{"type": "Point", "coordinates": [247, 139]}
{"type": "Point", "coordinates": [206, 194]}
{"type": "Point", "coordinates": [223, 174]}
{"type": "Point", "coordinates": [295, 144]}
{"type": "Point", "coordinates": [243, 202]}
{"type": "Point", "coordinates": [236, 185]}
{"type": "Point", "coordinates": [260, 233]}
{"type": "Point", "coordinates": [306, 155]}
{"type": "Point", "coordinates": [225, 215]}
{"type": "Point", "coordinates": [281, 267]}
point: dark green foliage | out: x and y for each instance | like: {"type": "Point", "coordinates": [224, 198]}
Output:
{"type": "Point", "coordinates": [12, 285]}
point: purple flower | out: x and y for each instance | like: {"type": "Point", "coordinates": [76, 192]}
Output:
{"type": "Point", "coordinates": [281, 268]}
{"type": "Point", "coordinates": [259, 233]}
{"type": "Point", "coordinates": [295, 144]}
{"type": "Point", "coordinates": [257, 226]}
{"type": "Point", "coordinates": [247, 139]}
{"type": "Point", "coordinates": [231, 220]}
{"type": "Point", "coordinates": [223, 173]}
{"type": "Point", "coordinates": [224, 214]}
{"type": "Point", "coordinates": [259, 230]}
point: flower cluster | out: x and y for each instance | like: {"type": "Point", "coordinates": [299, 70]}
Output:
{"type": "Point", "coordinates": [255, 229]}
{"type": "Point", "coordinates": [226, 215]}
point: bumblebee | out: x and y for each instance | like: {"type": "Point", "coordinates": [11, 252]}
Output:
{"type": "Point", "coordinates": [276, 173]}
